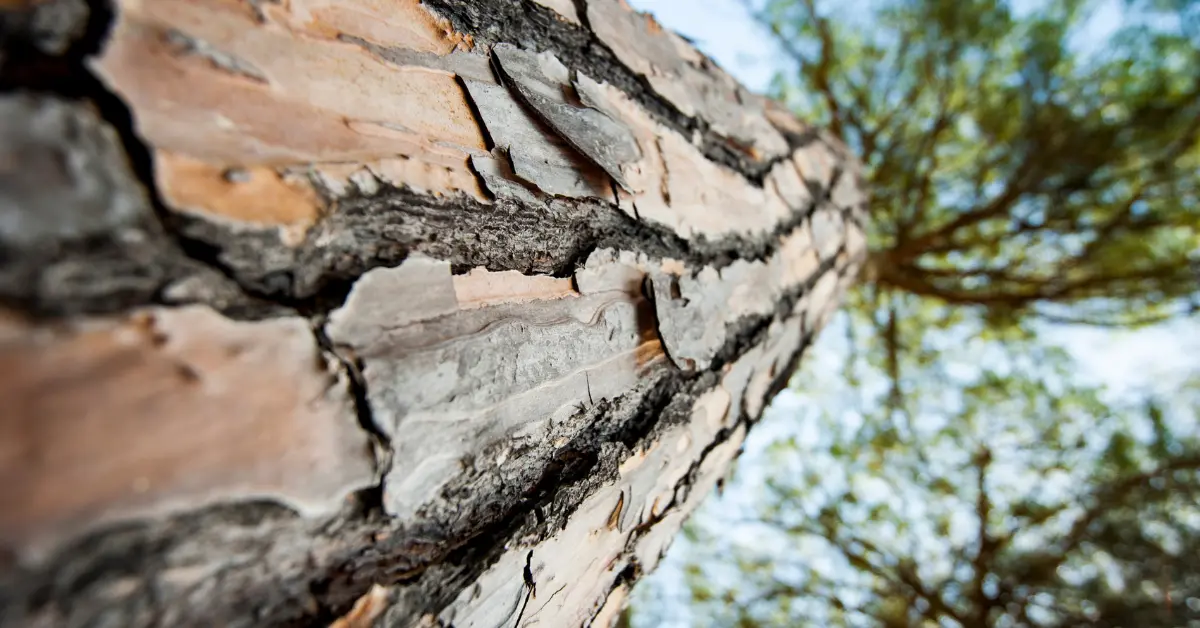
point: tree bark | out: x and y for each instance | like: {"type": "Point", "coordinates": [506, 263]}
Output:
{"type": "Point", "coordinates": [378, 312]}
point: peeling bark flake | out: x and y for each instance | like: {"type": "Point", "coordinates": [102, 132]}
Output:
{"type": "Point", "coordinates": [603, 140]}
{"type": "Point", "coordinates": [615, 518]}
{"type": "Point", "coordinates": [481, 287]}
{"type": "Point", "coordinates": [694, 310]}
{"type": "Point", "coordinates": [538, 155]}
{"type": "Point", "coordinates": [457, 377]}
{"type": "Point", "coordinates": [674, 184]}
{"type": "Point", "coordinates": [253, 91]}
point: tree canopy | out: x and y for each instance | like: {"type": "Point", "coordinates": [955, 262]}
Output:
{"type": "Point", "coordinates": [1016, 162]}
{"type": "Point", "coordinates": [1029, 163]}
{"type": "Point", "coordinates": [1016, 496]}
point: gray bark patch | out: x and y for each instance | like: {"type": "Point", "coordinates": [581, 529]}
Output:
{"type": "Point", "coordinates": [76, 228]}
{"type": "Point", "coordinates": [538, 155]}
{"type": "Point", "coordinates": [608, 143]}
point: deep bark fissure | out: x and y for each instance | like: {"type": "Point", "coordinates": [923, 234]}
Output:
{"type": "Point", "coordinates": [315, 281]}
{"type": "Point", "coordinates": [25, 68]}
{"type": "Point", "coordinates": [514, 235]}
{"type": "Point", "coordinates": [323, 277]}
{"type": "Point", "coordinates": [352, 367]}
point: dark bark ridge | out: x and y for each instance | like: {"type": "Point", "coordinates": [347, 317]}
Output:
{"type": "Point", "coordinates": [252, 273]}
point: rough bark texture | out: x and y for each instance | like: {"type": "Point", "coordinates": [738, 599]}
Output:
{"type": "Point", "coordinates": [381, 312]}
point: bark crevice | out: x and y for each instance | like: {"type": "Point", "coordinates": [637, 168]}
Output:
{"type": "Point", "coordinates": [168, 256]}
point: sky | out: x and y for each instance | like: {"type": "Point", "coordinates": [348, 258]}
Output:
{"type": "Point", "coordinates": [1152, 360]}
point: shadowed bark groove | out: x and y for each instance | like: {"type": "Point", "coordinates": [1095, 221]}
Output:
{"type": "Point", "coordinates": [310, 314]}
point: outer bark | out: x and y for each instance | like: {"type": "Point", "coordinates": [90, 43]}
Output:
{"type": "Point", "coordinates": [365, 312]}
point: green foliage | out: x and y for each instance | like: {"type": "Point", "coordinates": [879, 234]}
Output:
{"type": "Point", "coordinates": [1010, 170]}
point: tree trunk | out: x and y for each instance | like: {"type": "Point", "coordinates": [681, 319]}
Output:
{"type": "Point", "coordinates": [383, 312]}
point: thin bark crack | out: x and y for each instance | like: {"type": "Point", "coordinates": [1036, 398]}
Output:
{"type": "Point", "coordinates": [352, 367]}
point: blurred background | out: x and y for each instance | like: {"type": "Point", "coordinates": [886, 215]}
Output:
{"type": "Point", "coordinates": [1000, 428]}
